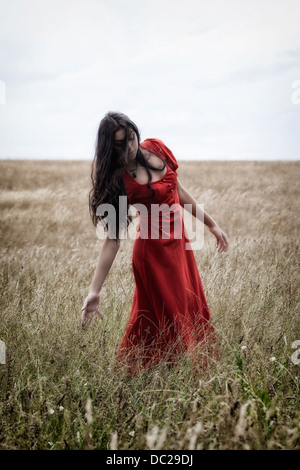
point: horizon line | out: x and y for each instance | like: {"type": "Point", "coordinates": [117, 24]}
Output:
{"type": "Point", "coordinates": [54, 159]}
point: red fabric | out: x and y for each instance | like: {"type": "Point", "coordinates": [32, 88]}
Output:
{"type": "Point", "coordinates": [169, 313]}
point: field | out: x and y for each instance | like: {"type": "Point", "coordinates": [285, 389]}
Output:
{"type": "Point", "coordinates": [58, 389]}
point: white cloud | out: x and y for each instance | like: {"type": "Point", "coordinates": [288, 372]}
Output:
{"type": "Point", "coordinates": [211, 78]}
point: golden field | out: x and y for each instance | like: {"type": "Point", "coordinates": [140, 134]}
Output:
{"type": "Point", "coordinates": [58, 389]}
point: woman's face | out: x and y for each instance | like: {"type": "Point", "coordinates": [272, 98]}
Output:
{"type": "Point", "coordinates": [132, 143]}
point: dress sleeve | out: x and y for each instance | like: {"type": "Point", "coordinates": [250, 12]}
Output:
{"type": "Point", "coordinates": [166, 153]}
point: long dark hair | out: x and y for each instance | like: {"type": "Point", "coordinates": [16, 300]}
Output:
{"type": "Point", "coordinates": [108, 167]}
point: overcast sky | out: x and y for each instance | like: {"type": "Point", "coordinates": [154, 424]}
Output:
{"type": "Point", "coordinates": [214, 79]}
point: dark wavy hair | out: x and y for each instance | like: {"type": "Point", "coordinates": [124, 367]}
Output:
{"type": "Point", "coordinates": [108, 168]}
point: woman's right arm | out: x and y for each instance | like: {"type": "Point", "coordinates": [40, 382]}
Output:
{"type": "Point", "coordinates": [107, 255]}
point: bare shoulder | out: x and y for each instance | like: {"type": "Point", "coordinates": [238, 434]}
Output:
{"type": "Point", "coordinates": [151, 158]}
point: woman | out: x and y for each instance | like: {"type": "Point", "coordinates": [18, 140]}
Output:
{"type": "Point", "coordinates": [169, 313]}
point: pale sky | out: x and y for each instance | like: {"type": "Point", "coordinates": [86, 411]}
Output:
{"type": "Point", "coordinates": [214, 79]}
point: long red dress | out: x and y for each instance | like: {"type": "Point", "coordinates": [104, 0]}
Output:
{"type": "Point", "coordinates": [169, 313]}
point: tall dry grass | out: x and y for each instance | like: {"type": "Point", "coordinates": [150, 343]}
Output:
{"type": "Point", "coordinates": [58, 389]}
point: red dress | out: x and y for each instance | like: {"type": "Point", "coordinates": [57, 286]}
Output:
{"type": "Point", "coordinates": [169, 313]}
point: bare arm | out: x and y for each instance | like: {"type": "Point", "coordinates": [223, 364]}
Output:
{"type": "Point", "coordinates": [105, 260]}
{"type": "Point", "coordinates": [196, 210]}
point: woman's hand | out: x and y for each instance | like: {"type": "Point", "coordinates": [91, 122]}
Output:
{"type": "Point", "coordinates": [90, 309]}
{"type": "Point", "coordinates": [222, 241]}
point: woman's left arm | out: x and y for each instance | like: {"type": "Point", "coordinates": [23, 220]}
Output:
{"type": "Point", "coordinates": [195, 209]}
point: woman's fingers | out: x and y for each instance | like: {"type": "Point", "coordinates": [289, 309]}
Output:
{"type": "Point", "coordinates": [222, 243]}
{"type": "Point", "coordinates": [90, 315]}
{"type": "Point", "coordinates": [90, 310]}
{"type": "Point", "coordinates": [99, 313]}
{"type": "Point", "coordinates": [225, 242]}
{"type": "Point", "coordinates": [84, 317]}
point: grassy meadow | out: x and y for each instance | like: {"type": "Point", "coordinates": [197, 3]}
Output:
{"type": "Point", "coordinates": [58, 389]}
